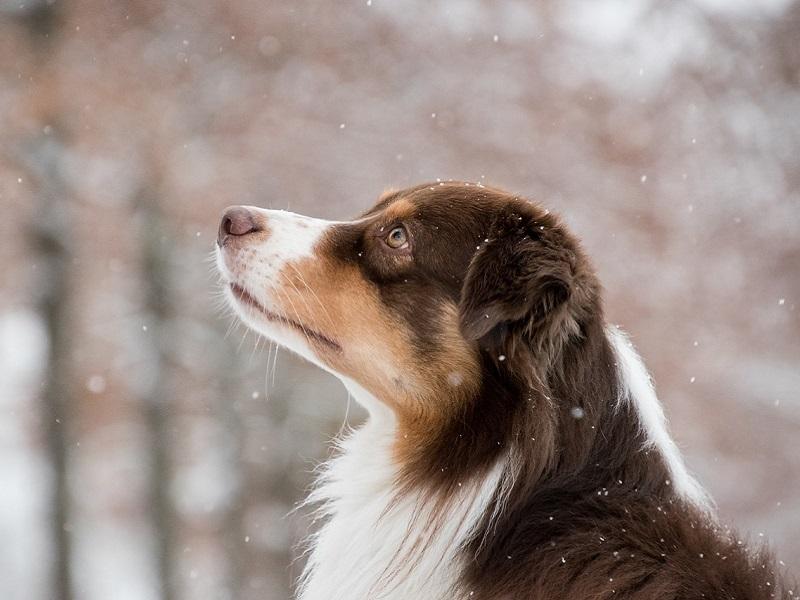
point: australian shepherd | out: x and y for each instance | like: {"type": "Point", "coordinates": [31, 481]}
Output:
{"type": "Point", "coordinates": [515, 447]}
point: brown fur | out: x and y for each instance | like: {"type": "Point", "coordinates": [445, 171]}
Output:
{"type": "Point", "coordinates": [495, 289]}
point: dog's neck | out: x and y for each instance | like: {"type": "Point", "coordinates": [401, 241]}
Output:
{"type": "Point", "coordinates": [378, 545]}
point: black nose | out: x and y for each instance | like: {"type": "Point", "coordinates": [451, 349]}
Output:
{"type": "Point", "coordinates": [236, 221]}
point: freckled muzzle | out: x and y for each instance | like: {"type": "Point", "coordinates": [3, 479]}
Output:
{"type": "Point", "coordinates": [256, 244]}
{"type": "Point", "coordinates": [329, 291]}
{"type": "Point", "coordinates": [260, 254]}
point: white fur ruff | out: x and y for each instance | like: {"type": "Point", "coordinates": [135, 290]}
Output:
{"type": "Point", "coordinates": [374, 546]}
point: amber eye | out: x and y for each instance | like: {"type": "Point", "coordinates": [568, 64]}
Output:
{"type": "Point", "coordinates": [397, 238]}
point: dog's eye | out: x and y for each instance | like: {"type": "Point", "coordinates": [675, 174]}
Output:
{"type": "Point", "coordinates": [397, 238]}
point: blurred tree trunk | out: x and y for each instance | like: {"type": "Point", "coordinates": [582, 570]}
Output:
{"type": "Point", "coordinates": [157, 251]}
{"type": "Point", "coordinates": [234, 535]}
{"type": "Point", "coordinates": [50, 233]}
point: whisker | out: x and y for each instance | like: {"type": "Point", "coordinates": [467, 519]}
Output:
{"type": "Point", "coordinates": [255, 349]}
{"type": "Point", "coordinates": [340, 433]}
{"type": "Point", "coordinates": [244, 337]}
{"type": "Point", "coordinates": [275, 364]}
{"type": "Point", "coordinates": [233, 326]}
{"type": "Point", "coordinates": [267, 390]}
{"type": "Point", "coordinates": [312, 292]}
{"type": "Point", "coordinates": [296, 315]}
{"type": "Point", "coordinates": [301, 296]}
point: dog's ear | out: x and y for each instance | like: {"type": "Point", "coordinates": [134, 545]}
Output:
{"type": "Point", "coordinates": [519, 279]}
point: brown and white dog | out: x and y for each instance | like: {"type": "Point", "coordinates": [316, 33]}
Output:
{"type": "Point", "coordinates": [515, 448]}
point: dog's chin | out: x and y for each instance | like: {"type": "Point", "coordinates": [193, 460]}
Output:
{"type": "Point", "coordinates": [284, 331]}
{"type": "Point", "coordinates": [252, 317]}
{"type": "Point", "coordinates": [258, 317]}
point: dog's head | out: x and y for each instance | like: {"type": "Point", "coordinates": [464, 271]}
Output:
{"type": "Point", "coordinates": [418, 297]}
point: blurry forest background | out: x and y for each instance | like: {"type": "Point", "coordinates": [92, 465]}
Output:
{"type": "Point", "coordinates": [143, 455]}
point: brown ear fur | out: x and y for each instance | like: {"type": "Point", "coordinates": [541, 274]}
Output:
{"type": "Point", "coordinates": [522, 283]}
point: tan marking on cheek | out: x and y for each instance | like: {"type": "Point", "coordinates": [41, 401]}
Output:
{"type": "Point", "coordinates": [458, 365]}
{"type": "Point", "coordinates": [451, 377]}
{"type": "Point", "coordinates": [377, 346]}
{"type": "Point", "coordinates": [335, 300]}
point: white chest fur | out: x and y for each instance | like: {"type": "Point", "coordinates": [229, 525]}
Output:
{"type": "Point", "coordinates": [375, 546]}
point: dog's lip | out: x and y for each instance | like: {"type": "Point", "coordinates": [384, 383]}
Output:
{"type": "Point", "coordinates": [247, 298]}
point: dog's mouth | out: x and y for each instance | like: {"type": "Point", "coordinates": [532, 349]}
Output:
{"type": "Point", "coordinates": [246, 298]}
